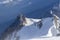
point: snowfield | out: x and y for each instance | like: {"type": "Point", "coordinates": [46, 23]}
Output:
{"type": "Point", "coordinates": [32, 32]}
{"type": "Point", "coordinates": [44, 38]}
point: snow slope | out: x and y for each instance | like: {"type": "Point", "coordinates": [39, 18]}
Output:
{"type": "Point", "coordinates": [46, 38]}
{"type": "Point", "coordinates": [32, 32]}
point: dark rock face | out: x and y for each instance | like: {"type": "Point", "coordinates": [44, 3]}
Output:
{"type": "Point", "coordinates": [58, 34]}
{"type": "Point", "coordinates": [17, 25]}
{"type": "Point", "coordinates": [39, 24]}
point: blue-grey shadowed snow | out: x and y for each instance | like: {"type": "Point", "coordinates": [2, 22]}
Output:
{"type": "Point", "coordinates": [30, 8]}
{"type": "Point", "coordinates": [33, 31]}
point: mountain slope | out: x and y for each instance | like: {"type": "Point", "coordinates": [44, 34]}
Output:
{"type": "Point", "coordinates": [31, 30]}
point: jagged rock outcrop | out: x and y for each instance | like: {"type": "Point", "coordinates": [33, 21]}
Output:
{"type": "Point", "coordinates": [15, 26]}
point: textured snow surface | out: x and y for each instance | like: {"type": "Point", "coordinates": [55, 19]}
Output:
{"type": "Point", "coordinates": [32, 32]}
{"type": "Point", "coordinates": [44, 38]}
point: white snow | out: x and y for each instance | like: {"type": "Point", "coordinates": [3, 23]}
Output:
{"type": "Point", "coordinates": [31, 32]}
{"type": "Point", "coordinates": [31, 21]}
{"type": "Point", "coordinates": [46, 38]}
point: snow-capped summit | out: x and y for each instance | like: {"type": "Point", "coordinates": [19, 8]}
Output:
{"type": "Point", "coordinates": [29, 21]}
{"type": "Point", "coordinates": [31, 30]}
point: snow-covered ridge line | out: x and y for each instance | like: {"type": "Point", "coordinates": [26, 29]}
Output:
{"type": "Point", "coordinates": [31, 31]}
{"type": "Point", "coordinates": [29, 21]}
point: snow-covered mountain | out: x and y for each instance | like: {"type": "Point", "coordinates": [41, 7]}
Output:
{"type": "Point", "coordinates": [30, 8]}
{"type": "Point", "coordinates": [35, 29]}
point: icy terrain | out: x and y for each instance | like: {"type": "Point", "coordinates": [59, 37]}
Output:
{"type": "Point", "coordinates": [31, 30]}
